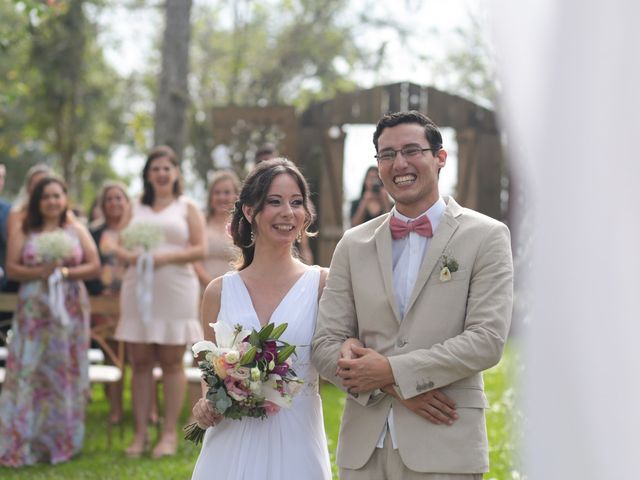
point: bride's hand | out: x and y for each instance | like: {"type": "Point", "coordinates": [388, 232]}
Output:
{"type": "Point", "coordinates": [346, 352]}
{"type": "Point", "coordinates": [204, 414]}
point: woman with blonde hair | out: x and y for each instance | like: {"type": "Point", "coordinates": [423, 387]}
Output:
{"type": "Point", "coordinates": [223, 192]}
{"type": "Point", "coordinates": [112, 202]}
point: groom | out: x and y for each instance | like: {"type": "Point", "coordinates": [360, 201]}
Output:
{"type": "Point", "coordinates": [417, 304]}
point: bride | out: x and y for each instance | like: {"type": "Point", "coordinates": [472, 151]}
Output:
{"type": "Point", "coordinates": [270, 286]}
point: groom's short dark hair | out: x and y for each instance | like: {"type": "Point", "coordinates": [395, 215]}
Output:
{"type": "Point", "coordinates": [431, 132]}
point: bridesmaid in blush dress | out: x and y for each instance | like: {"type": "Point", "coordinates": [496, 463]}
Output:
{"type": "Point", "coordinates": [223, 192]}
{"type": "Point", "coordinates": [174, 313]}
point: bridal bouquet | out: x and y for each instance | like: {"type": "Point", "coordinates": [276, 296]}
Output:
{"type": "Point", "coordinates": [54, 246]}
{"type": "Point", "coordinates": [146, 236]}
{"type": "Point", "coordinates": [248, 374]}
{"type": "Point", "coordinates": [142, 235]}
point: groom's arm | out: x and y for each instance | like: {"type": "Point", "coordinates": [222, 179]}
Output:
{"type": "Point", "coordinates": [337, 319]}
{"type": "Point", "coordinates": [477, 348]}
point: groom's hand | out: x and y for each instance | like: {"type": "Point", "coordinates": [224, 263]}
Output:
{"type": "Point", "coordinates": [433, 406]}
{"type": "Point", "coordinates": [366, 372]}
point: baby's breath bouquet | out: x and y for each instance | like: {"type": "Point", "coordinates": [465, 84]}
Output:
{"type": "Point", "coordinates": [54, 246]}
{"type": "Point", "coordinates": [142, 235]}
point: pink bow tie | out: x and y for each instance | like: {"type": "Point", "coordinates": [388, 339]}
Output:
{"type": "Point", "coordinates": [400, 229]}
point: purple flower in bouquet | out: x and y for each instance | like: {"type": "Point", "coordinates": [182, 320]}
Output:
{"type": "Point", "coordinates": [269, 351]}
{"type": "Point", "coordinates": [281, 369]}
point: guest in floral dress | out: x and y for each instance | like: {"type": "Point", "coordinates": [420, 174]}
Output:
{"type": "Point", "coordinates": [43, 400]}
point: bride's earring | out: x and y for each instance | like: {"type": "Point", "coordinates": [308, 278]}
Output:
{"type": "Point", "coordinates": [253, 237]}
{"type": "Point", "coordinates": [299, 236]}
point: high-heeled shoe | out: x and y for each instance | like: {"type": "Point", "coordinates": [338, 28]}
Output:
{"type": "Point", "coordinates": [136, 449]}
{"type": "Point", "coordinates": [166, 447]}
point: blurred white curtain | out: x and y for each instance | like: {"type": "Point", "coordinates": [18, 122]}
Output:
{"type": "Point", "coordinates": [570, 72]}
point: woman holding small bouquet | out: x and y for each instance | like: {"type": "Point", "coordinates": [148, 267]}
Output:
{"type": "Point", "coordinates": [160, 294]}
{"type": "Point", "coordinates": [270, 286]}
{"type": "Point", "coordinates": [43, 399]}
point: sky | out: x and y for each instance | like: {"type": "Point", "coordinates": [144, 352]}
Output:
{"type": "Point", "coordinates": [129, 46]}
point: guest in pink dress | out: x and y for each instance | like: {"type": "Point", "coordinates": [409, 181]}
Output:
{"type": "Point", "coordinates": [44, 396]}
{"type": "Point", "coordinates": [173, 321]}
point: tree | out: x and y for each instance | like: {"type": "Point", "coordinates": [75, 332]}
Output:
{"type": "Point", "coordinates": [64, 104]}
{"type": "Point", "coordinates": [173, 96]}
{"type": "Point", "coordinates": [283, 52]}
{"type": "Point", "coordinates": [468, 67]}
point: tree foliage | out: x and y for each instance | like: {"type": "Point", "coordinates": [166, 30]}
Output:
{"type": "Point", "coordinates": [468, 67]}
{"type": "Point", "coordinates": [249, 53]}
{"type": "Point", "coordinates": [61, 102]}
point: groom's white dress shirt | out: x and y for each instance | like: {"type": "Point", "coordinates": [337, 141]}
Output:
{"type": "Point", "coordinates": [407, 255]}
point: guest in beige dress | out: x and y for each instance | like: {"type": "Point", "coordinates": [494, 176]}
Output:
{"type": "Point", "coordinates": [223, 192]}
{"type": "Point", "coordinates": [174, 312]}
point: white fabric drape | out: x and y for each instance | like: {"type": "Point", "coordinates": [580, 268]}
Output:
{"type": "Point", "coordinates": [144, 287]}
{"type": "Point", "coordinates": [56, 297]}
{"type": "Point", "coordinates": [570, 72]}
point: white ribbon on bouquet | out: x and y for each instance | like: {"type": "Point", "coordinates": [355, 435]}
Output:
{"type": "Point", "coordinates": [144, 287]}
{"type": "Point", "coordinates": [56, 297]}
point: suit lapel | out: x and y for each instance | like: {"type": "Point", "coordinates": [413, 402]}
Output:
{"type": "Point", "coordinates": [448, 225]}
{"type": "Point", "coordinates": [383, 247]}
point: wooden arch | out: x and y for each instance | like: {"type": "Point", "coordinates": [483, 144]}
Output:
{"type": "Point", "coordinates": [481, 167]}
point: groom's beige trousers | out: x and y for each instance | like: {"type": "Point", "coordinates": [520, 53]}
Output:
{"type": "Point", "coordinates": [385, 464]}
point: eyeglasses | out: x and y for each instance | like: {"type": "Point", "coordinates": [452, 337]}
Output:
{"type": "Point", "coordinates": [407, 152]}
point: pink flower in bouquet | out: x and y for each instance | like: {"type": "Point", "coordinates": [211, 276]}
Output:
{"type": "Point", "coordinates": [236, 389]}
{"type": "Point", "coordinates": [240, 373]}
{"type": "Point", "coordinates": [270, 407]}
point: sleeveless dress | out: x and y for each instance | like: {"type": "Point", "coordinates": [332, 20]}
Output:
{"type": "Point", "coordinates": [176, 290]}
{"type": "Point", "coordinates": [222, 252]}
{"type": "Point", "coordinates": [291, 444]}
{"type": "Point", "coordinates": [43, 399]}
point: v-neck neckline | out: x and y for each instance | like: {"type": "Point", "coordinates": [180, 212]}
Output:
{"type": "Point", "coordinates": [282, 300]}
{"type": "Point", "coordinates": [163, 208]}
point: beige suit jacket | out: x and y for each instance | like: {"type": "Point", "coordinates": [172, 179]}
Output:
{"type": "Point", "coordinates": [450, 333]}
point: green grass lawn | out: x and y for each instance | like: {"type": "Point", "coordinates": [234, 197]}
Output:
{"type": "Point", "coordinates": [97, 462]}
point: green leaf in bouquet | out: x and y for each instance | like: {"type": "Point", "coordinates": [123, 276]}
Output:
{"type": "Point", "coordinates": [221, 401]}
{"type": "Point", "coordinates": [249, 356]}
{"type": "Point", "coordinates": [285, 352]}
{"type": "Point", "coordinates": [254, 338]}
{"type": "Point", "coordinates": [279, 330]}
{"type": "Point", "coordinates": [265, 332]}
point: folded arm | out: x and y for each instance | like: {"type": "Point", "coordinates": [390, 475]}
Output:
{"type": "Point", "coordinates": [488, 317]}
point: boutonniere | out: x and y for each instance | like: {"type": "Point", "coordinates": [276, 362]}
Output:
{"type": "Point", "coordinates": [449, 265]}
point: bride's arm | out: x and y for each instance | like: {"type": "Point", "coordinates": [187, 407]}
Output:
{"type": "Point", "coordinates": [203, 411]}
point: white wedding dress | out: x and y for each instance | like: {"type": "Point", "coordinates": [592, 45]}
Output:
{"type": "Point", "coordinates": [291, 444]}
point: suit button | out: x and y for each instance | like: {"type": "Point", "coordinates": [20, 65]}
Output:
{"type": "Point", "coordinates": [401, 343]}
